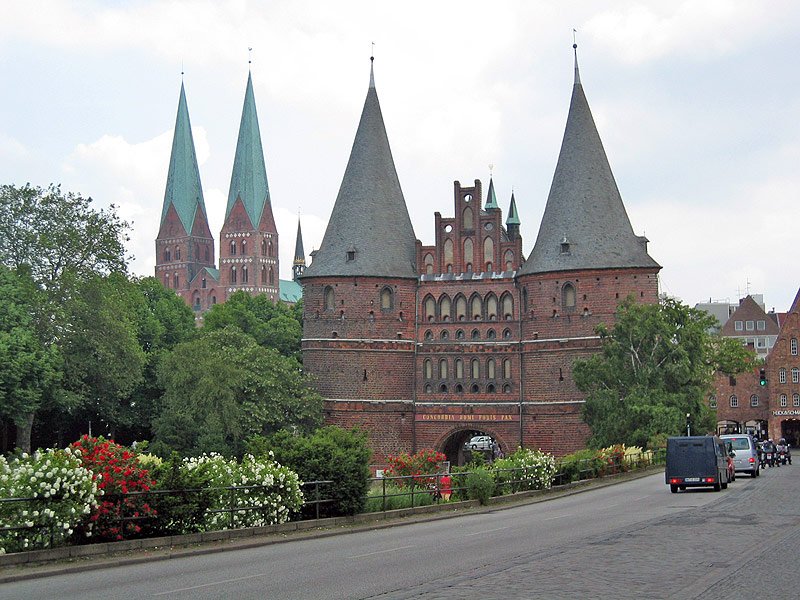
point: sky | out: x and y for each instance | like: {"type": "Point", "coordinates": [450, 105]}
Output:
{"type": "Point", "coordinates": [697, 103]}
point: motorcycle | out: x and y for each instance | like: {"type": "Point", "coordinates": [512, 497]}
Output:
{"type": "Point", "coordinates": [769, 458]}
{"type": "Point", "coordinates": [782, 455]}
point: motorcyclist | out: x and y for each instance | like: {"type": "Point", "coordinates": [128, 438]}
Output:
{"type": "Point", "coordinates": [783, 447]}
{"type": "Point", "coordinates": [769, 447]}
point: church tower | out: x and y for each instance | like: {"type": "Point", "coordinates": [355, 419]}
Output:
{"type": "Point", "coordinates": [184, 246]}
{"type": "Point", "coordinates": [299, 263]}
{"type": "Point", "coordinates": [249, 239]}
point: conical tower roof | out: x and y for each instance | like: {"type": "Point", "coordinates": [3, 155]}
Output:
{"type": "Point", "coordinates": [491, 198]}
{"type": "Point", "coordinates": [249, 176]}
{"type": "Point", "coordinates": [183, 191]}
{"type": "Point", "coordinates": [369, 232]}
{"type": "Point", "coordinates": [513, 215]}
{"type": "Point", "coordinates": [585, 225]}
{"type": "Point", "coordinates": [299, 252]}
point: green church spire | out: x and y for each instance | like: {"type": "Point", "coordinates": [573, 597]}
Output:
{"type": "Point", "coordinates": [249, 176]}
{"type": "Point", "coordinates": [513, 215]}
{"type": "Point", "coordinates": [491, 198]}
{"type": "Point", "coordinates": [184, 191]}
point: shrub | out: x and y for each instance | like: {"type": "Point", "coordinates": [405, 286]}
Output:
{"type": "Point", "coordinates": [333, 454]}
{"type": "Point", "coordinates": [419, 466]}
{"type": "Point", "coordinates": [183, 509]}
{"type": "Point", "coordinates": [480, 485]}
{"type": "Point", "coordinates": [117, 472]}
{"type": "Point", "coordinates": [63, 493]}
{"type": "Point", "coordinates": [583, 464]}
{"type": "Point", "coordinates": [396, 497]}
{"type": "Point", "coordinates": [525, 469]}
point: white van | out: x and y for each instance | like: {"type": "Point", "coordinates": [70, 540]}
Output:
{"type": "Point", "coordinates": [746, 459]}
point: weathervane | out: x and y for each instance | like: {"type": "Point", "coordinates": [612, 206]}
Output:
{"type": "Point", "coordinates": [491, 168]}
{"type": "Point", "coordinates": [249, 55]}
{"type": "Point", "coordinates": [574, 38]}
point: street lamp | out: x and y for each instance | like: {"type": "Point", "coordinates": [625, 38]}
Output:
{"type": "Point", "coordinates": [688, 424]}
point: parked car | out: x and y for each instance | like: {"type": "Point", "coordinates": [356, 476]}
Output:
{"type": "Point", "coordinates": [746, 453]}
{"type": "Point", "coordinates": [479, 442]}
{"type": "Point", "coordinates": [694, 461]}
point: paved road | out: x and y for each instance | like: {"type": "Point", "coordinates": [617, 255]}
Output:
{"type": "Point", "coordinates": [632, 540]}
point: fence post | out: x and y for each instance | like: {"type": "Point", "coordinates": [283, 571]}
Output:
{"type": "Point", "coordinates": [316, 496]}
{"type": "Point", "coordinates": [232, 503]}
{"type": "Point", "coordinates": [383, 484]}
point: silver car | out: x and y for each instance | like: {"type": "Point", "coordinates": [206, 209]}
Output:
{"type": "Point", "coordinates": [746, 459]}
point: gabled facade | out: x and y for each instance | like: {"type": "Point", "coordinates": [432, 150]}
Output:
{"type": "Point", "coordinates": [753, 326]}
{"type": "Point", "coordinates": [783, 375]}
{"type": "Point", "coordinates": [426, 345]}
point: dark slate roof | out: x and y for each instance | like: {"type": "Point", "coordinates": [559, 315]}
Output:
{"type": "Point", "coordinates": [249, 176]}
{"type": "Point", "coordinates": [370, 218]}
{"type": "Point", "coordinates": [299, 252]}
{"type": "Point", "coordinates": [183, 190]}
{"type": "Point", "coordinates": [585, 225]}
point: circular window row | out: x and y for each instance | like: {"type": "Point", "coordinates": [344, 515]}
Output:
{"type": "Point", "coordinates": [458, 388]}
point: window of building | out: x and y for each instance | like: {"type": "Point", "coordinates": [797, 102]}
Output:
{"type": "Point", "coordinates": [524, 300]}
{"type": "Point", "coordinates": [428, 261]}
{"type": "Point", "coordinates": [491, 307]}
{"type": "Point", "coordinates": [177, 252]}
{"type": "Point", "coordinates": [491, 334]}
{"type": "Point", "coordinates": [445, 335]}
{"type": "Point", "coordinates": [213, 299]}
{"type": "Point", "coordinates": [233, 247]}
{"type": "Point", "coordinates": [712, 401]}
{"type": "Point", "coordinates": [490, 365]}
{"type": "Point", "coordinates": [459, 388]}
{"type": "Point", "coordinates": [197, 302]}
{"type": "Point", "coordinates": [795, 375]}
{"type": "Point", "coordinates": [477, 308]}
{"type": "Point", "coordinates": [738, 325]}
{"type": "Point", "coordinates": [795, 400]}
{"type": "Point", "coordinates": [244, 247]}
{"type": "Point", "coordinates": [443, 369]}
{"type": "Point", "coordinates": [428, 368]}
{"type": "Point", "coordinates": [782, 375]}
{"type": "Point", "coordinates": [749, 325]}
{"type": "Point", "coordinates": [490, 388]}
{"type": "Point", "coordinates": [507, 368]}
{"type": "Point", "coordinates": [509, 260]}
{"type": "Point", "coordinates": [387, 298]}
{"type": "Point", "coordinates": [734, 402]}
{"type": "Point", "coordinates": [206, 252]}
{"type": "Point", "coordinates": [761, 343]}
{"type": "Point", "coordinates": [488, 253]}
{"type": "Point", "coordinates": [783, 401]}
{"type": "Point", "coordinates": [443, 388]}
{"type": "Point", "coordinates": [466, 219]}
{"type": "Point", "coordinates": [754, 400]}
{"type": "Point", "coordinates": [444, 308]}
{"type": "Point", "coordinates": [350, 255]}
{"type": "Point", "coordinates": [507, 303]}
{"type": "Point", "coordinates": [761, 325]}
{"type": "Point", "coordinates": [430, 308]}
{"type": "Point", "coordinates": [233, 274]}
{"type": "Point", "coordinates": [476, 335]}
{"type": "Point", "coordinates": [474, 389]}
{"type": "Point", "coordinates": [448, 252]}
{"type": "Point", "coordinates": [263, 275]}
{"type": "Point", "coordinates": [175, 281]}
{"type": "Point", "coordinates": [428, 335]}
{"type": "Point", "coordinates": [469, 254]}
{"type": "Point", "coordinates": [568, 296]}
{"type": "Point", "coordinates": [263, 247]}
{"type": "Point", "coordinates": [793, 346]}
{"type": "Point", "coordinates": [271, 249]}
{"type": "Point", "coordinates": [244, 274]}
{"type": "Point", "coordinates": [506, 388]}
{"type": "Point", "coordinates": [461, 308]}
{"type": "Point", "coordinates": [459, 368]}
{"type": "Point", "coordinates": [329, 298]}
{"type": "Point", "coordinates": [429, 389]}
{"type": "Point", "coordinates": [506, 334]}
{"type": "Point", "coordinates": [460, 334]}
{"type": "Point", "coordinates": [476, 368]}
{"type": "Point", "coordinates": [167, 255]}
{"type": "Point", "coordinates": [203, 283]}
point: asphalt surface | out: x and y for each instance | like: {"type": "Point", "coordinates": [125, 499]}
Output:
{"type": "Point", "coordinates": [630, 540]}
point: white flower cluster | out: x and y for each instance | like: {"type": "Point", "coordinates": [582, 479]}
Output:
{"type": "Point", "coordinates": [526, 469]}
{"type": "Point", "coordinates": [52, 493]}
{"type": "Point", "coordinates": [265, 493]}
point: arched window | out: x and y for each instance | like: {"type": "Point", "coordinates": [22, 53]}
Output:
{"type": "Point", "coordinates": [509, 260]}
{"type": "Point", "coordinates": [233, 247]}
{"type": "Point", "coordinates": [166, 281]}
{"type": "Point", "coordinates": [329, 298]}
{"type": "Point", "coordinates": [795, 400]}
{"type": "Point", "coordinates": [461, 308]}
{"type": "Point", "coordinates": [476, 368]}
{"type": "Point", "coordinates": [244, 247]}
{"type": "Point", "coordinates": [793, 346]}
{"type": "Point", "coordinates": [444, 308]}
{"type": "Point", "coordinates": [459, 368]}
{"type": "Point", "coordinates": [476, 335]}
{"type": "Point", "coordinates": [428, 260]}
{"type": "Point", "coordinates": [488, 253]}
{"type": "Point", "coordinates": [263, 275]}
{"type": "Point", "coordinates": [459, 388]}
{"type": "Point", "coordinates": [206, 252]}
{"type": "Point", "coordinates": [783, 400]}
{"type": "Point", "coordinates": [167, 255]}
{"type": "Point", "coordinates": [448, 255]}
{"type": "Point", "coordinates": [734, 401]}
{"type": "Point", "coordinates": [754, 400]}
{"type": "Point", "coordinates": [460, 334]}
{"type": "Point", "coordinates": [781, 374]}
{"type": "Point", "coordinates": [386, 298]}
{"type": "Point", "coordinates": [233, 274]}
{"type": "Point", "coordinates": [197, 302]}
{"type": "Point", "coordinates": [507, 368]}
{"type": "Point", "coordinates": [524, 300]}
{"type": "Point", "coordinates": [506, 388]}
{"type": "Point", "coordinates": [491, 307]}
{"type": "Point", "coordinates": [263, 247]}
{"type": "Point", "coordinates": [474, 389]}
{"type": "Point", "coordinates": [429, 335]}
{"type": "Point", "coordinates": [712, 401]}
{"type": "Point", "coordinates": [490, 388]}
{"type": "Point", "coordinates": [175, 281]}
{"type": "Point", "coordinates": [466, 220]}
{"type": "Point", "coordinates": [429, 389]}
{"type": "Point", "coordinates": [428, 367]}
{"type": "Point", "coordinates": [507, 303]}
{"type": "Point", "coordinates": [443, 369]}
{"type": "Point", "coordinates": [491, 335]}
{"type": "Point", "coordinates": [271, 276]}
{"type": "Point", "coordinates": [244, 274]}
{"type": "Point", "coordinates": [469, 256]}
{"type": "Point", "coordinates": [430, 308]}
{"type": "Point", "coordinates": [506, 334]}
{"type": "Point", "coordinates": [443, 388]}
{"type": "Point", "coordinates": [177, 252]}
{"type": "Point", "coordinates": [477, 308]}
{"type": "Point", "coordinates": [270, 249]}
{"type": "Point", "coordinates": [445, 335]}
{"type": "Point", "coordinates": [203, 283]}
{"type": "Point", "coordinates": [795, 375]}
{"type": "Point", "coordinates": [490, 368]}
{"type": "Point", "coordinates": [568, 296]}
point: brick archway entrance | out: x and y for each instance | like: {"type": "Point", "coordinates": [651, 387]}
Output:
{"type": "Point", "coordinates": [455, 445]}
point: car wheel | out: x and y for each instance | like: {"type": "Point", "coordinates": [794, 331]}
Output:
{"type": "Point", "coordinates": [673, 489]}
{"type": "Point", "coordinates": [474, 446]}
{"type": "Point", "coordinates": [754, 474]}
{"type": "Point", "coordinates": [724, 486]}
{"type": "Point", "coordinates": [718, 486]}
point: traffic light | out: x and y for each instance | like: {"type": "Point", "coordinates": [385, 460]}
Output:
{"type": "Point", "coordinates": [762, 377]}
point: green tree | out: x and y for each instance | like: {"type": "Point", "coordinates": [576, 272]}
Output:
{"type": "Point", "coordinates": [271, 324]}
{"type": "Point", "coordinates": [222, 388]}
{"type": "Point", "coordinates": [29, 369]}
{"type": "Point", "coordinates": [656, 365]}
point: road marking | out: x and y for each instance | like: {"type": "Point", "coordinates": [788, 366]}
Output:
{"type": "Point", "coordinates": [554, 518]}
{"type": "Point", "coordinates": [381, 552]}
{"type": "Point", "coordinates": [640, 498]}
{"type": "Point", "coordinates": [197, 587]}
{"type": "Point", "coordinates": [485, 531]}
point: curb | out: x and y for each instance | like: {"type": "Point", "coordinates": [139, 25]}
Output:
{"type": "Point", "coordinates": [73, 559]}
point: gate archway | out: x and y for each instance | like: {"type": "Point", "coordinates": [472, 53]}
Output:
{"type": "Point", "coordinates": [460, 444]}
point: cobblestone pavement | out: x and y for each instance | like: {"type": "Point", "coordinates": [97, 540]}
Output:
{"type": "Point", "coordinates": [745, 545]}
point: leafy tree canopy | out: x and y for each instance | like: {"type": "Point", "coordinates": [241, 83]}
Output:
{"type": "Point", "coordinates": [224, 387]}
{"type": "Point", "coordinates": [656, 365]}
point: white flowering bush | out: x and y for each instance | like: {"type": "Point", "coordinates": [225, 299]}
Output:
{"type": "Point", "coordinates": [266, 492]}
{"type": "Point", "coordinates": [61, 494]}
{"type": "Point", "coordinates": [524, 470]}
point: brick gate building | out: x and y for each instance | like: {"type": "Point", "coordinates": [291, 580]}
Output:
{"type": "Point", "coordinates": [425, 346]}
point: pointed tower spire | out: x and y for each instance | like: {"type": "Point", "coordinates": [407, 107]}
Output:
{"type": "Point", "coordinates": [249, 175]}
{"type": "Point", "coordinates": [491, 199]}
{"type": "Point", "coordinates": [512, 221]}
{"type": "Point", "coordinates": [299, 264]}
{"type": "Point", "coordinates": [183, 192]}
{"type": "Point", "coordinates": [369, 232]}
{"type": "Point", "coordinates": [585, 225]}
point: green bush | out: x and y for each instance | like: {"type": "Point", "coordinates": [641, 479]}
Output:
{"type": "Point", "coordinates": [583, 464]}
{"type": "Point", "coordinates": [333, 454]}
{"type": "Point", "coordinates": [396, 497]}
{"type": "Point", "coordinates": [525, 469]}
{"type": "Point", "coordinates": [480, 485]}
{"type": "Point", "coordinates": [184, 509]}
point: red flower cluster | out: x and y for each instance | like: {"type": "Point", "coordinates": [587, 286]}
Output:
{"type": "Point", "coordinates": [420, 466]}
{"type": "Point", "coordinates": [118, 474]}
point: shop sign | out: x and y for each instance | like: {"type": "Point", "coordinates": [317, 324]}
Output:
{"type": "Point", "coordinates": [786, 413]}
{"type": "Point", "coordinates": [465, 418]}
